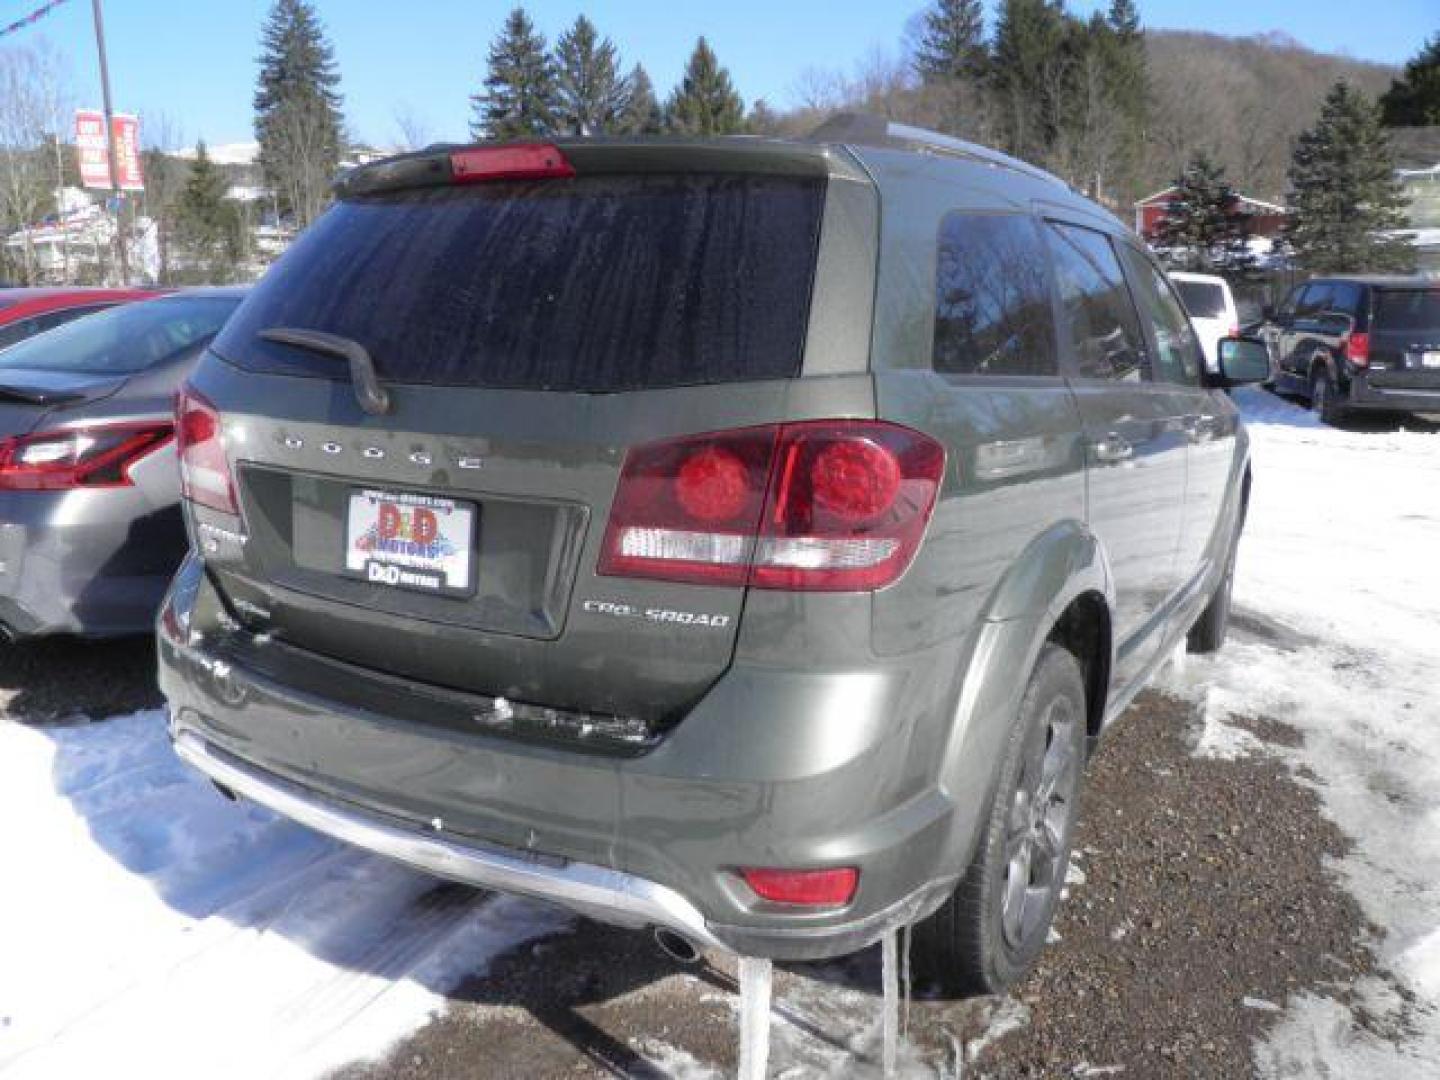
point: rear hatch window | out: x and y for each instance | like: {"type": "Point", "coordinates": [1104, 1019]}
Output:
{"type": "Point", "coordinates": [598, 284]}
{"type": "Point", "coordinates": [1202, 299]}
{"type": "Point", "coordinates": [1408, 310]}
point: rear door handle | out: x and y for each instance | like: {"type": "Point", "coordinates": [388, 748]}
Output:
{"type": "Point", "coordinates": [1112, 449]}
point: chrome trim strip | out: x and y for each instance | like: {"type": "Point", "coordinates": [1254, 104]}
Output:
{"type": "Point", "coordinates": [607, 895]}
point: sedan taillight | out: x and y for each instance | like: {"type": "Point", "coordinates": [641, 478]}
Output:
{"type": "Point", "coordinates": [97, 455]}
{"type": "Point", "coordinates": [205, 475]}
{"type": "Point", "coordinates": [836, 505]}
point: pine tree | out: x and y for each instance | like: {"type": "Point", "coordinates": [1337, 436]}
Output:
{"type": "Point", "coordinates": [642, 114]}
{"type": "Point", "coordinates": [1345, 201]}
{"type": "Point", "coordinates": [297, 109]}
{"type": "Point", "coordinates": [1413, 100]}
{"type": "Point", "coordinates": [520, 95]}
{"type": "Point", "coordinates": [1203, 227]}
{"type": "Point", "coordinates": [952, 41]}
{"type": "Point", "coordinates": [591, 92]}
{"type": "Point", "coordinates": [1027, 74]}
{"type": "Point", "coordinates": [705, 102]}
{"type": "Point", "coordinates": [206, 224]}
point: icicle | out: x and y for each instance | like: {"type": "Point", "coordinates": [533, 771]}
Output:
{"type": "Point", "coordinates": [905, 988]}
{"type": "Point", "coordinates": [890, 1000]}
{"type": "Point", "coordinates": [754, 1017]}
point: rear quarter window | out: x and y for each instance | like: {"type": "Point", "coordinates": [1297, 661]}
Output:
{"type": "Point", "coordinates": [992, 298]}
{"type": "Point", "coordinates": [1202, 299]}
{"type": "Point", "coordinates": [599, 284]}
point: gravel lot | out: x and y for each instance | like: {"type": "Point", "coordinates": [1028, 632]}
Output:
{"type": "Point", "coordinates": [1201, 886]}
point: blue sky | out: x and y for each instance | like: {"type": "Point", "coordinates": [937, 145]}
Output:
{"type": "Point", "coordinates": [194, 60]}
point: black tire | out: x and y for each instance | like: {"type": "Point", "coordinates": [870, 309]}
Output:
{"type": "Point", "coordinates": [1208, 633]}
{"type": "Point", "coordinates": [1324, 396]}
{"type": "Point", "coordinates": [987, 934]}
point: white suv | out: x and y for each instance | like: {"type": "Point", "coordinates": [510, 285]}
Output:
{"type": "Point", "coordinates": [1211, 305]}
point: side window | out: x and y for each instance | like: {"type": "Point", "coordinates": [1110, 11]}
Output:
{"type": "Point", "coordinates": [1104, 332]}
{"type": "Point", "coordinates": [18, 330]}
{"type": "Point", "coordinates": [992, 299]}
{"type": "Point", "coordinates": [1292, 301]}
{"type": "Point", "coordinates": [1345, 298]}
{"type": "Point", "coordinates": [1177, 350]}
{"type": "Point", "coordinates": [1313, 300]}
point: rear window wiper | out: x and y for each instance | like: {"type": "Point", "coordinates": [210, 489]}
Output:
{"type": "Point", "coordinates": [373, 397]}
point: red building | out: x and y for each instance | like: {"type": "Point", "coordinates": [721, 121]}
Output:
{"type": "Point", "coordinates": [1266, 219]}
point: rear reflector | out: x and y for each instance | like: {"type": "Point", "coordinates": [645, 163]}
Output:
{"type": "Point", "coordinates": [99, 455]}
{"type": "Point", "coordinates": [205, 475]}
{"type": "Point", "coordinates": [527, 161]}
{"type": "Point", "coordinates": [811, 888]}
{"type": "Point", "coordinates": [822, 505]}
{"type": "Point", "coordinates": [1357, 349]}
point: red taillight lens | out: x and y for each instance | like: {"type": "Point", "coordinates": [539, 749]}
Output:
{"type": "Point", "coordinates": [527, 161]}
{"type": "Point", "coordinates": [99, 455]}
{"type": "Point", "coordinates": [1357, 349]}
{"type": "Point", "coordinates": [812, 888]}
{"type": "Point", "coordinates": [204, 471]}
{"type": "Point", "coordinates": [829, 505]}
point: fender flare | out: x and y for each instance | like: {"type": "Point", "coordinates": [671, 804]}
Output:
{"type": "Point", "coordinates": [1051, 572]}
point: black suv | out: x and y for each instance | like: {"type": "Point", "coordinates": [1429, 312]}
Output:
{"type": "Point", "coordinates": [1359, 343]}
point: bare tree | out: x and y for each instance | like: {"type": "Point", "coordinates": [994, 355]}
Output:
{"type": "Point", "coordinates": [32, 96]}
{"type": "Point", "coordinates": [413, 129]}
{"type": "Point", "coordinates": [165, 175]}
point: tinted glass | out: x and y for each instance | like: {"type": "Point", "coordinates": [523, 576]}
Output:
{"type": "Point", "coordinates": [1177, 357]}
{"type": "Point", "coordinates": [1202, 299]}
{"type": "Point", "coordinates": [1345, 298]}
{"type": "Point", "coordinates": [992, 300]}
{"type": "Point", "coordinates": [18, 330]}
{"type": "Point", "coordinates": [1103, 328]}
{"type": "Point", "coordinates": [1408, 309]}
{"type": "Point", "coordinates": [125, 339]}
{"type": "Point", "coordinates": [597, 284]}
{"type": "Point", "coordinates": [1313, 300]}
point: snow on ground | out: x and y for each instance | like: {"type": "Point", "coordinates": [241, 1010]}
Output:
{"type": "Point", "coordinates": [1337, 599]}
{"type": "Point", "coordinates": [158, 930]}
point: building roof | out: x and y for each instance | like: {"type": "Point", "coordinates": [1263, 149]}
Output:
{"type": "Point", "coordinates": [1158, 197]}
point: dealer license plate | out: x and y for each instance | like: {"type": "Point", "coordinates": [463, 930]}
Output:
{"type": "Point", "coordinates": [410, 541]}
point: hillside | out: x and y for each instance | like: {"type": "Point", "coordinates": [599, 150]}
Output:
{"type": "Point", "coordinates": [1245, 99]}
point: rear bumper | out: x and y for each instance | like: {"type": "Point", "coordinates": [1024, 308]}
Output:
{"type": "Point", "coordinates": [84, 562]}
{"type": "Point", "coordinates": [1364, 396]}
{"type": "Point", "coordinates": [649, 841]}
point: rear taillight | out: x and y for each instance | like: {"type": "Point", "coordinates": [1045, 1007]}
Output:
{"type": "Point", "coordinates": [1357, 349]}
{"type": "Point", "coordinates": [204, 471]}
{"type": "Point", "coordinates": [525, 161]}
{"type": "Point", "coordinates": [827, 505]}
{"type": "Point", "coordinates": [99, 455]}
{"type": "Point", "coordinates": [811, 888]}
{"type": "Point", "coordinates": [1234, 330]}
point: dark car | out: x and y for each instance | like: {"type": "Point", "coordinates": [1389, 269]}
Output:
{"type": "Point", "coordinates": [90, 525]}
{"type": "Point", "coordinates": [739, 538]}
{"type": "Point", "coordinates": [1359, 344]}
{"type": "Point", "coordinates": [27, 312]}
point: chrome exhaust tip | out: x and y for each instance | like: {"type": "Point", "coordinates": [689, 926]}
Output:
{"type": "Point", "coordinates": [677, 946]}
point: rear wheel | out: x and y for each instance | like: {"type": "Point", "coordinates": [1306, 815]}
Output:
{"type": "Point", "coordinates": [1323, 396]}
{"type": "Point", "coordinates": [986, 936]}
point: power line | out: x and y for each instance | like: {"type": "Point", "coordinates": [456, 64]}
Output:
{"type": "Point", "coordinates": [29, 20]}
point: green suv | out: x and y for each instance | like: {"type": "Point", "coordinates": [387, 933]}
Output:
{"type": "Point", "coordinates": [741, 539]}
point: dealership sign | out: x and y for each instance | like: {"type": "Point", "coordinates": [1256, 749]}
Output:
{"type": "Point", "coordinates": [94, 150]}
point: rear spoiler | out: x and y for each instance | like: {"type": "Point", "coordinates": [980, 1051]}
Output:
{"type": "Point", "coordinates": [446, 164]}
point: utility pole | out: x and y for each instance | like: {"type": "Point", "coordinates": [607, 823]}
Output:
{"type": "Point", "coordinates": [120, 255]}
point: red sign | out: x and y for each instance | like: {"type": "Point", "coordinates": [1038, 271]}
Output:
{"type": "Point", "coordinates": [94, 150]}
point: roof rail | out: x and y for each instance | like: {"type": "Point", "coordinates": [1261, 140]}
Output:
{"type": "Point", "coordinates": [867, 129]}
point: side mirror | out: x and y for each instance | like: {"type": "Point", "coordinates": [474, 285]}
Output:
{"type": "Point", "coordinates": [1241, 361]}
